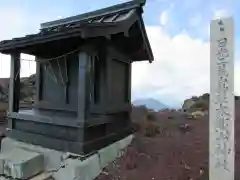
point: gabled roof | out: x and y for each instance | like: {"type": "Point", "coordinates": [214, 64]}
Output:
{"type": "Point", "coordinates": [111, 14]}
{"type": "Point", "coordinates": [106, 22]}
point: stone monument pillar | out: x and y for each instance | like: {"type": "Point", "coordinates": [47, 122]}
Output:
{"type": "Point", "coordinates": [222, 104]}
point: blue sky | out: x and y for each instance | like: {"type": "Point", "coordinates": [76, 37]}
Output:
{"type": "Point", "coordinates": [180, 12]}
{"type": "Point", "coordinates": [178, 31]}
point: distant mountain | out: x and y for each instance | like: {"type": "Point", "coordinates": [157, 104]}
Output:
{"type": "Point", "coordinates": [150, 103]}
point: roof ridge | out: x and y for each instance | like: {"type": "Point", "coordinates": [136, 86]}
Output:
{"type": "Point", "coordinates": [100, 12]}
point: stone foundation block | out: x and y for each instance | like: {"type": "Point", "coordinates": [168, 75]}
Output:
{"type": "Point", "coordinates": [21, 160]}
{"type": "Point", "coordinates": [108, 154]}
{"type": "Point", "coordinates": [76, 169]}
{"type": "Point", "coordinates": [21, 164]}
{"type": "Point", "coordinates": [52, 158]}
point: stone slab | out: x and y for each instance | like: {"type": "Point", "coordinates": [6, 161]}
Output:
{"type": "Point", "coordinates": [70, 171]}
{"type": "Point", "coordinates": [64, 165]}
{"type": "Point", "coordinates": [108, 154]}
{"type": "Point", "coordinates": [52, 158]}
{"type": "Point", "coordinates": [113, 151]}
{"type": "Point", "coordinates": [93, 168]}
{"type": "Point", "coordinates": [21, 164]}
{"type": "Point", "coordinates": [74, 169]}
{"type": "Point", "coordinates": [125, 142]}
{"type": "Point", "coordinates": [43, 176]}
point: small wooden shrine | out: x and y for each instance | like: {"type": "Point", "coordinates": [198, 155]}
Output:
{"type": "Point", "coordinates": [83, 79]}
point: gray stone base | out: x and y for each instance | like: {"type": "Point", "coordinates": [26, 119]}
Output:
{"type": "Point", "coordinates": [55, 164]}
{"type": "Point", "coordinates": [21, 164]}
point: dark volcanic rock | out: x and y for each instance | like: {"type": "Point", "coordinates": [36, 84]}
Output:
{"type": "Point", "coordinates": [199, 103]}
{"type": "Point", "coordinates": [4, 89]}
{"type": "Point", "coordinates": [27, 86]}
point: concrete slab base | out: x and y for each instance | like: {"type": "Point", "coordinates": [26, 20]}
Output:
{"type": "Point", "coordinates": [52, 158]}
{"type": "Point", "coordinates": [59, 165]}
{"type": "Point", "coordinates": [21, 164]}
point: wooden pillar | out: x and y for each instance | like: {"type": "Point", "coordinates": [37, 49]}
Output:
{"type": "Point", "coordinates": [83, 85]}
{"type": "Point", "coordinates": [129, 90]}
{"type": "Point", "coordinates": [107, 83]}
{"type": "Point", "coordinates": [129, 85]}
{"type": "Point", "coordinates": [14, 85]}
{"type": "Point", "coordinates": [105, 95]}
{"type": "Point", "coordinates": [38, 81]}
{"type": "Point", "coordinates": [104, 68]}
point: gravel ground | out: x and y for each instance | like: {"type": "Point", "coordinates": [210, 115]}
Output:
{"type": "Point", "coordinates": [171, 155]}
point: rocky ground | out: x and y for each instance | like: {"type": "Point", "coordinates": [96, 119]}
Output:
{"type": "Point", "coordinates": [27, 93]}
{"type": "Point", "coordinates": [27, 89]}
{"type": "Point", "coordinates": [178, 152]}
{"type": "Point", "coordinates": [174, 153]}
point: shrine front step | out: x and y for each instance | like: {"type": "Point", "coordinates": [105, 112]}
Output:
{"type": "Point", "coordinates": [30, 162]}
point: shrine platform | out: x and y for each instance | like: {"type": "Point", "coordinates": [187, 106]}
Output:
{"type": "Point", "coordinates": [55, 165]}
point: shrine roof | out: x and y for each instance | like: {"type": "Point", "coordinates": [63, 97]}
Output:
{"type": "Point", "coordinates": [104, 22]}
{"type": "Point", "coordinates": [110, 14]}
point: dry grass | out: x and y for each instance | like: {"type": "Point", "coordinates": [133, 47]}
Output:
{"type": "Point", "coordinates": [148, 126]}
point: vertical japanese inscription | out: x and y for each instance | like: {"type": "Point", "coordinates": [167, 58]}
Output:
{"type": "Point", "coordinates": [222, 101]}
{"type": "Point", "coordinates": [222, 109]}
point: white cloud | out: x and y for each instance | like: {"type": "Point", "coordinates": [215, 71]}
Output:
{"type": "Point", "coordinates": [164, 18]}
{"type": "Point", "coordinates": [181, 68]}
{"type": "Point", "coordinates": [221, 13]}
{"type": "Point", "coordinates": [15, 23]}
{"type": "Point", "coordinates": [4, 65]}
{"type": "Point", "coordinates": [196, 20]}
{"type": "Point", "coordinates": [28, 66]}
{"type": "Point", "coordinates": [12, 21]}
{"type": "Point", "coordinates": [189, 4]}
